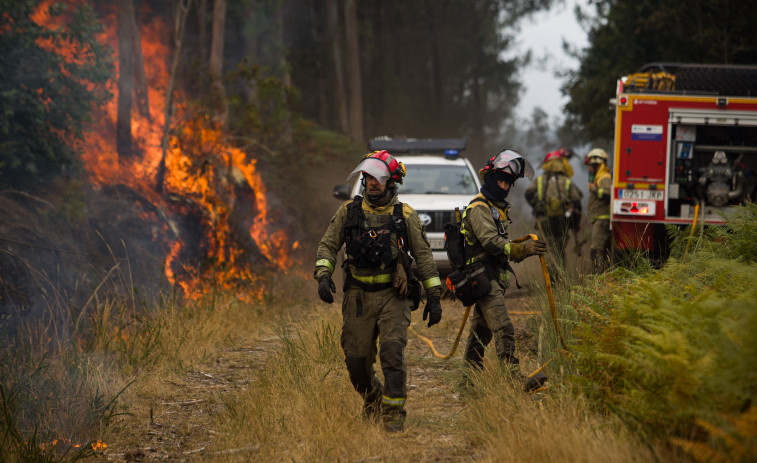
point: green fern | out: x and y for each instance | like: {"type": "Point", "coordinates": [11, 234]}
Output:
{"type": "Point", "coordinates": [667, 350]}
{"type": "Point", "coordinates": [738, 237]}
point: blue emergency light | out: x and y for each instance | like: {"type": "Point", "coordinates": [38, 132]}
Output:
{"type": "Point", "coordinates": [451, 147]}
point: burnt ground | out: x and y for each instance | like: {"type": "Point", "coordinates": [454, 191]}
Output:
{"type": "Point", "coordinates": [177, 423]}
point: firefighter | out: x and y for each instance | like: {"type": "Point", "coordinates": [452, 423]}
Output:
{"type": "Point", "coordinates": [484, 225]}
{"type": "Point", "coordinates": [380, 288]}
{"type": "Point", "coordinates": [556, 201]}
{"type": "Point", "coordinates": [600, 192]}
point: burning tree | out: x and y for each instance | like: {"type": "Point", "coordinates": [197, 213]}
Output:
{"type": "Point", "coordinates": [52, 77]}
{"type": "Point", "coordinates": [210, 219]}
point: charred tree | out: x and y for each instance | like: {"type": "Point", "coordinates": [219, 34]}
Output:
{"type": "Point", "coordinates": [132, 82]}
{"type": "Point", "coordinates": [178, 37]}
{"type": "Point", "coordinates": [140, 80]}
{"type": "Point", "coordinates": [126, 40]}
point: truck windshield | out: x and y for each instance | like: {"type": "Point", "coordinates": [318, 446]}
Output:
{"type": "Point", "coordinates": [432, 179]}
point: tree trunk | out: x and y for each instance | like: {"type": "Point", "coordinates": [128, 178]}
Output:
{"type": "Point", "coordinates": [178, 37]}
{"type": "Point", "coordinates": [437, 94]}
{"type": "Point", "coordinates": [376, 107]}
{"type": "Point", "coordinates": [140, 80]}
{"type": "Point", "coordinates": [321, 101]}
{"type": "Point", "coordinates": [249, 87]}
{"type": "Point", "coordinates": [353, 71]}
{"type": "Point", "coordinates": [335, 58]}
{"type": "Point", "coordinates": [479, 100]}
{"type": "Point", "coordinates": [286, 79]}
{"type": "Point", "coordinates": [202, 26]}
{"type": "Point", "coordinates": [218, 93]}
{"type": "Point", "coordinates": [125, 77]}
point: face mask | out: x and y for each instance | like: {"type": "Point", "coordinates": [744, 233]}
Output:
{"type": "Point", "coordinates": [490, 181]}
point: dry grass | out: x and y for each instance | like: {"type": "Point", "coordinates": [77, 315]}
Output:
{"type": "Point", "coordinates": [553, 426]}
{"type": "Point", "coordinates": [301, 407]}
{"type": "Point", "coordinates": [236, 382]}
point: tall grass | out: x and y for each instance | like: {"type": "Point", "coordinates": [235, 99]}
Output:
{"type": "Point", "coordinates": [671, 351]}
{"type": "Point", "coordinates": [68, 376]}
{"type": "Point", "coordinates": [511, 425]}
{"type": "Point", "coordinates": [59, 386]}
{"type": "Point", "coordinates": [302, 406]}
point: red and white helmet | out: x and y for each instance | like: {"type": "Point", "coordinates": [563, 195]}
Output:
{"type": "Point", "coordinates": [556, 154]}
{"type": "Point", "coordinates": [510, 162]}
{"type": "Point", "coordinates": [382, 166]}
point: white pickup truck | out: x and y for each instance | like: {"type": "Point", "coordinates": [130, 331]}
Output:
{"type": "Point", "coordinates": [438, 180]}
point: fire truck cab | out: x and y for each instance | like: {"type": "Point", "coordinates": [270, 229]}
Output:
{"type": "Point", "coordinates": [685, 146]}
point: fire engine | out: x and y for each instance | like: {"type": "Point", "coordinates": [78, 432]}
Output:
{"type": "Point", "coordinates": [685, 147]}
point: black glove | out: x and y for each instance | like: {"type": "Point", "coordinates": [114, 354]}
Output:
{"type": "Point", "coordinates": [325, 288]}
{"type": "Point", "coordinates": [534, 248]}
{"type": "Point", "coordinates": [433, 311]}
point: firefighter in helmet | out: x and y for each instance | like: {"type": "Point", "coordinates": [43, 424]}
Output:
{"type": "Point", "coordinates": [484, 226]}
{"type": "Point", "coordinates": [556, 201]}
{"type": "Point", "coordinates": [380, 288]}
{"type": "Point", "coordinates": [600, 192]}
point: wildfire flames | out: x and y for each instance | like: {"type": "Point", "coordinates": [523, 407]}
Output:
{"type": "Point", "coordinates": [97, 446]}
{"type": "Point", "coordinates": [213, 179]}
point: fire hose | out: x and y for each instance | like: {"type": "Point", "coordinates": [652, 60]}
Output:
{"type": "Point", "coordinates": [552, 310]}
{"type": "Point", "coordinates": [693, 226]}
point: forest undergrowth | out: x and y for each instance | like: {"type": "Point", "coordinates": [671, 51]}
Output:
{"type": "Point", "coordinates": [659, 367]}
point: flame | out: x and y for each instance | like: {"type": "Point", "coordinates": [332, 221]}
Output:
{"type": "Point", "coordinates": [97, 446]}
{"type": "Point", "coordinates": [213, 178]}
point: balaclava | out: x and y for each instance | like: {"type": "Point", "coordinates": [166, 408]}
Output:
{"type": "Point", "coordinates": [491, 190]}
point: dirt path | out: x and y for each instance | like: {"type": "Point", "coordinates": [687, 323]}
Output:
{"type": "Point", "coordinates": [177, 420]}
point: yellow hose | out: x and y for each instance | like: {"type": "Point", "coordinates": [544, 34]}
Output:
{"type": "Point", "coordinates": [548, 284]}
{"type": "Point", "coordinates": [467, 310]}
{"type": "Point", "coordinates": [693, 225]}
{"type": "Point", "coordinates": [457, 338]}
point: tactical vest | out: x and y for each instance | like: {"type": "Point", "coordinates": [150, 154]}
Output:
{"type": "Point", "coordinates": [371, 247]}
{"type": "Point", "coordinates": [474, 250]}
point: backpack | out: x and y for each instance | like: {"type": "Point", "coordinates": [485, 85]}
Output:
{"type": "Point", "coordinates": [553, 206]}
{"type": "Point", "coordinates": [466, 282]}
{"type": "Point", "coordinates": [454, 243]}
{"type": "Point", "coordinates": [454, 240]}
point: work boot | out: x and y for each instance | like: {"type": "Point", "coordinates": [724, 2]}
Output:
{"type": "Point", "coordinates": [535, 382]}
{"type": "Point", "coordinates": [394, 426]}
{"type": "Point", "coordinates": [529, 384]}
{"type": "Point", "coordinates": [394, 420]}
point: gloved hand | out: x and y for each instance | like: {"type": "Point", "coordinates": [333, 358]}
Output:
{"type": "Point", "coordinates": [534, 248]}
{"type": "Point", "coordinates": [432, 310]}
{"type": "Point", "coordinates": [325, 288]}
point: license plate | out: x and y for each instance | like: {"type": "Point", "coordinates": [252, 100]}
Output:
{"type": "Point", "coordinates": [652, 195]}
{"type": "Point", "coordinates": [436, 243]}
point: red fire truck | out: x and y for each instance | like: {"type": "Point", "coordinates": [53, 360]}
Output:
{"type": "Point", "coordinates": [685, 144]}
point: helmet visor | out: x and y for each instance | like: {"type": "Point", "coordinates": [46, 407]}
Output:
{"type": "Point", "coordinates": [376, 168]}
{"type": "Point", "coordinates": [513, 163]}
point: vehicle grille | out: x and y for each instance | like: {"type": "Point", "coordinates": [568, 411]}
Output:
{"type": "Point", "coordinates": [438, 220]}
